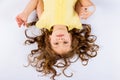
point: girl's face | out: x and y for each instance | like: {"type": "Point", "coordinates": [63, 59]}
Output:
{"type": "Point", "coordinates": [60, 39]}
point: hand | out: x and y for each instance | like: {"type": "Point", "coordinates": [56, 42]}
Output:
{"type": "Point", "coordinates": [21, 19]}
{"type": "Point", "coordinates": [85, 12]}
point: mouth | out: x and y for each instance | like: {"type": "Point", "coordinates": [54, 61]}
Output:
{"type": "Point", "coordinates": [60, 35]}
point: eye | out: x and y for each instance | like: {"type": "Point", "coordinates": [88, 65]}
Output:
{"type": "Point", "coordinates": [56, 43]}
{"type": "Point", "coordinates": [65, 42]}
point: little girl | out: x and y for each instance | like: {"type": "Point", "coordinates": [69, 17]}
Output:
{"type": "Point", "coordinates": [62, 34]}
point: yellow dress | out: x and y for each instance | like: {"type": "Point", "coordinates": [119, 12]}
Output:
{"type": "Point", "coordinates": [59, 12]}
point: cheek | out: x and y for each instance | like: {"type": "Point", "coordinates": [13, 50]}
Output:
{"type": "Point", "coordinates": [52, 39]}
{"type": "Point", "coordinates": [69, 37]}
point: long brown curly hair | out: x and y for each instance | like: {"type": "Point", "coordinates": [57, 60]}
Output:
{"type": "Point", "coordinates": [45, 60]}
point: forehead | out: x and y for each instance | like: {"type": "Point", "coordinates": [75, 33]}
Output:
{"type": "Point", "coordinates": [61, 50]}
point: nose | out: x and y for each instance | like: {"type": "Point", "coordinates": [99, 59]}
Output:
{"type": "Point", "coordinates": [60, 38]}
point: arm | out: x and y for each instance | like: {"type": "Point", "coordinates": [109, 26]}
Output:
{"type": "Point", "coordinates": [22, 17]}
{"type": "Point", "coordinates": [86, 3]}
{"type": "Point", "coordinates": [40, 8]}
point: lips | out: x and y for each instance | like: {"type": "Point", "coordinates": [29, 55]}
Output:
{"type": "Point", "coordinates": [60, 35]}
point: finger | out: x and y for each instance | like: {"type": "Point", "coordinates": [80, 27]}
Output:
{"type": "Point", "coordinates": [87, 15]}
{"type": "Point", "coordinates": [25, 23]}
{"type": "Point", "coordinates": [19, 21]}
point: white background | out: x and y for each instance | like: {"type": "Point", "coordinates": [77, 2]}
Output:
{"type": "Point", "coordinates": [105, 25]}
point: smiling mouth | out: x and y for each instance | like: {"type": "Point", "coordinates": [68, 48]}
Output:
{"type": "Point", "coordinates": [60, 35]}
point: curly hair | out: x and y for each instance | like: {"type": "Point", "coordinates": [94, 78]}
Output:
{"type": "Point", "coordinates": [44, 59]}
